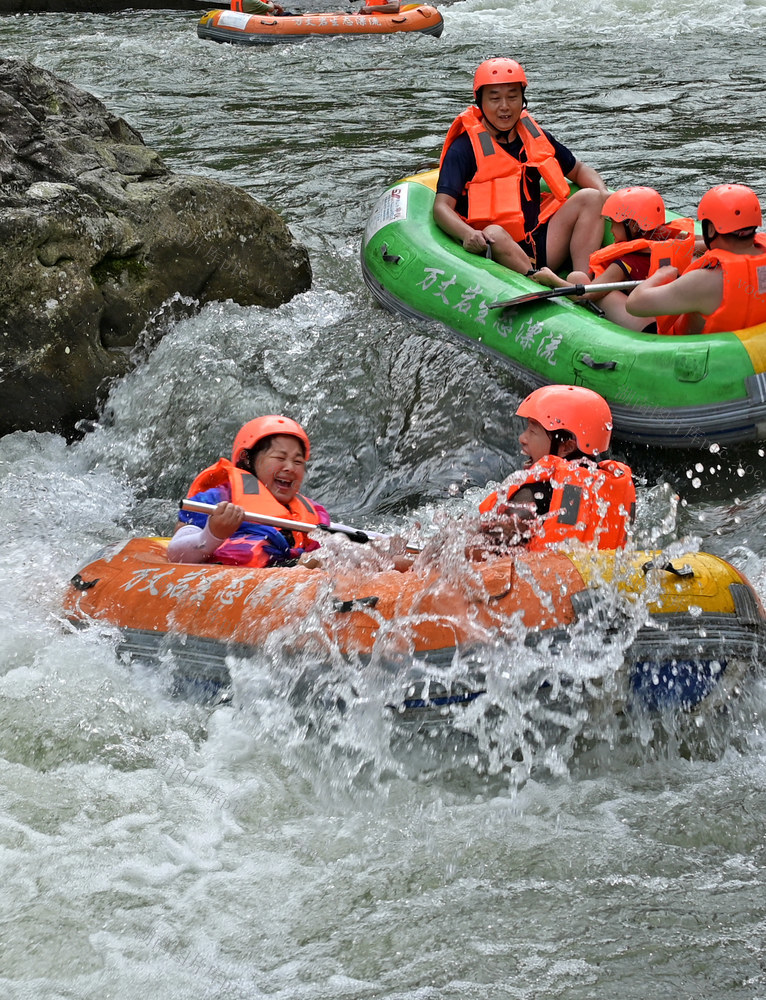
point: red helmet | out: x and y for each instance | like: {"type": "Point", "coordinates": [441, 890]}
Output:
{"type": "Point", "coordinates": [263, 427]}
{"type": "Point", "coordinates": [643, 205]}
{"type": "Point", "coordinates": [494, 71]}
{"type": "Point", "coordinates": [571, 408]}
{"type": "Point", "coordinates": [730, 207]}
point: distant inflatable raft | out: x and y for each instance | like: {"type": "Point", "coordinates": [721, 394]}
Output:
{"type": "Point", "coordinates": [255, 29]}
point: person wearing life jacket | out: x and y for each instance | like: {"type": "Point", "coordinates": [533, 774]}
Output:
{"type": "Point", "coordinates": [570, 489]}
{"type": "Point", "coordinates": [643, 242]}
{"type": "Point", "coordinates": [264, 476]}
{"type": "Point", "coordinates": [380, 7]}
{"type": "Point", "coordinates": [488, 196]}
{"type": "Point", "coordinates": [260, 7]}
{"type": "Point", "coordinates": [724, 289]}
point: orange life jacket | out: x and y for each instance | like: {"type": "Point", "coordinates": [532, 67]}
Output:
{"type": "Point", "coordinates": [676, 249]}
{"type": "Point", "coordinates": [240, 6]}
{"type": "Point", "coordinates": [494, 192]}
{"type": "Point", "coordinates": [743, 302]}
{"type": "Point", "coordinates": [250, 493]}
{"type": "Point", "coordinates": [590, 502]}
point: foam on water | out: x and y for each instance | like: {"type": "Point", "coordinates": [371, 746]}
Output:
{"type": "Point", "coordinates": [280, 845]}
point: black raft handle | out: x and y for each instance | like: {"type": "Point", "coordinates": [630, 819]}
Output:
{"type": "Point", "coordinates": [685, 572]}
{"type": "Point", "coordinates": [598, 366]}
{"type": "Point", "coordinates": [79, 584]}
{"type": "Point", "coordinates": [389, 258]}
{"type": "Point", "coordinates": [355, 604]}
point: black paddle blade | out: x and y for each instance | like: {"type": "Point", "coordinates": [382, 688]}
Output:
{"type": "Point", "coordinates": [551, 293]}
{"type": "Point", "coordinates": [544, 293]}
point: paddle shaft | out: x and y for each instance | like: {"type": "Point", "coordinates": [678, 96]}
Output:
{"type": "Point", "coordinates": [550, 293]}
{"type": "Point", "coordinates": [284, 522]}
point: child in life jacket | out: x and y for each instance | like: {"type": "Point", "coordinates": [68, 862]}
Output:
{"type": "Point", "coordinates": [268, 463]}
{"type": "Point", "coordinates": [570, 490]}
{"type": "Point", "coordinates": [643, 242]}
{"type": "Point", "coordinates": [725, 288]}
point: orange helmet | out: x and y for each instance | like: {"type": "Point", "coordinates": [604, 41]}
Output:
{"type": "Point", "coordinates": [263, 427]}
{"type": "Point", "coordinates": [730, 207]}
{"type": "Point", "coordinates": [643, 205]}
{"type": "Point", "coordinates": [494, 71]}
{"type": "Point", "coordinates": [571, 408]}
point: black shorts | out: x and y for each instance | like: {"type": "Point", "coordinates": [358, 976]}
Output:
{"type": "Point", "coordinates": [540, 254]}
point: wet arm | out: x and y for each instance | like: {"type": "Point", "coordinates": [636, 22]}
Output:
{"type": "Point", "coordinates": [665, 294]}
{"type": "Point", "coordinates": [193, 544]}
{"type": "Point", "coordinates": [446, 218]}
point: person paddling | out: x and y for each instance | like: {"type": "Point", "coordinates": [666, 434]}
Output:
{"type": "Point", "coordinates": [264, 476]}
{"type": "Point", "coordinates": [571, 490]}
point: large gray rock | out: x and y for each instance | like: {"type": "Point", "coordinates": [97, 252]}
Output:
{"type": "Point", "coordinates": [96, 233]}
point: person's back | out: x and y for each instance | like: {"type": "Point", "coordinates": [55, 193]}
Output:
{"type": "Point", "coordinates": [725, 289]}
{"type": "Point", "coordinates": [570, 490]}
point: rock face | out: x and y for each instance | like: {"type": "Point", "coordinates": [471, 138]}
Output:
{"type": "Point", "coordinates": [96, 234]}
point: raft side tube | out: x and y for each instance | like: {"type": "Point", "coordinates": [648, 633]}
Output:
{"type": "Point", "coordinates": [713, 386]}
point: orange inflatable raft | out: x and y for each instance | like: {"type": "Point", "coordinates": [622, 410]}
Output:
{"type": "Point", "coordinates": [701, 620]}
{"type": "Point", "coordinates": [256, 29]}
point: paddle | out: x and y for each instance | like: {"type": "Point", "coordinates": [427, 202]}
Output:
{"type": "Point", "coordinates": [355, 534]}
{"type": "Point", "coordinates": [550, 293]}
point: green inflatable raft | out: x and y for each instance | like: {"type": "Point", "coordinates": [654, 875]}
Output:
{"type": "Point", "coordinates": [680, 392]}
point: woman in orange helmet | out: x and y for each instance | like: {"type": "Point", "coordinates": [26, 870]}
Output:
{"type": "Point", "coordinates": [488, 195]}
{"type": "Point", "coordinates": [569, 489]}
{"type": "Point", "coordinates": [264, 476]}
{"type": "Point", "coordinates": [725, 289]}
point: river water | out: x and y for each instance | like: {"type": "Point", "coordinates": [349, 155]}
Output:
{"type": "Point", "coordinates": [153, 846]}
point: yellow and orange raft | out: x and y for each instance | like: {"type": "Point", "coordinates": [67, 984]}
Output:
{"type": "Point", "coordinates": [256, 29]}
{"type": "Point", "coordinates": [692, 623]}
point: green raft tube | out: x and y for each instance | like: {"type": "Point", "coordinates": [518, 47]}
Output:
{"type": "Point", "coordinates": [678, 392]}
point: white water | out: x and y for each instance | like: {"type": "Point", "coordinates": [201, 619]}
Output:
{"type": "Point", "coordinates": [153, 847]}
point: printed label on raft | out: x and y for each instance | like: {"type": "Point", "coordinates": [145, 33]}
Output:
{"type": "Point", "coordinates": [391, 207]}
{"type": "Point", "coordinates": [435, 279]}
{"type": "Point", "coordinates": [233, 19]}
{"type": "Point", "coordinates": [530, 336]}
{"type": "Point", "coordinates": [169, 584]}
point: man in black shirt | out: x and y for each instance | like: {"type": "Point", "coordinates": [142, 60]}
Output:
{"type": "Point", "coordinates": [489, 189]}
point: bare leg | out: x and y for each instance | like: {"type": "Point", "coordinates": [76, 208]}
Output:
{"type": "Point", "coordinates": [506, 251]}
{"type": "Point", "coordinates": [576, 230]}
{"type": "Point", "coordinates": [613, 304]}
